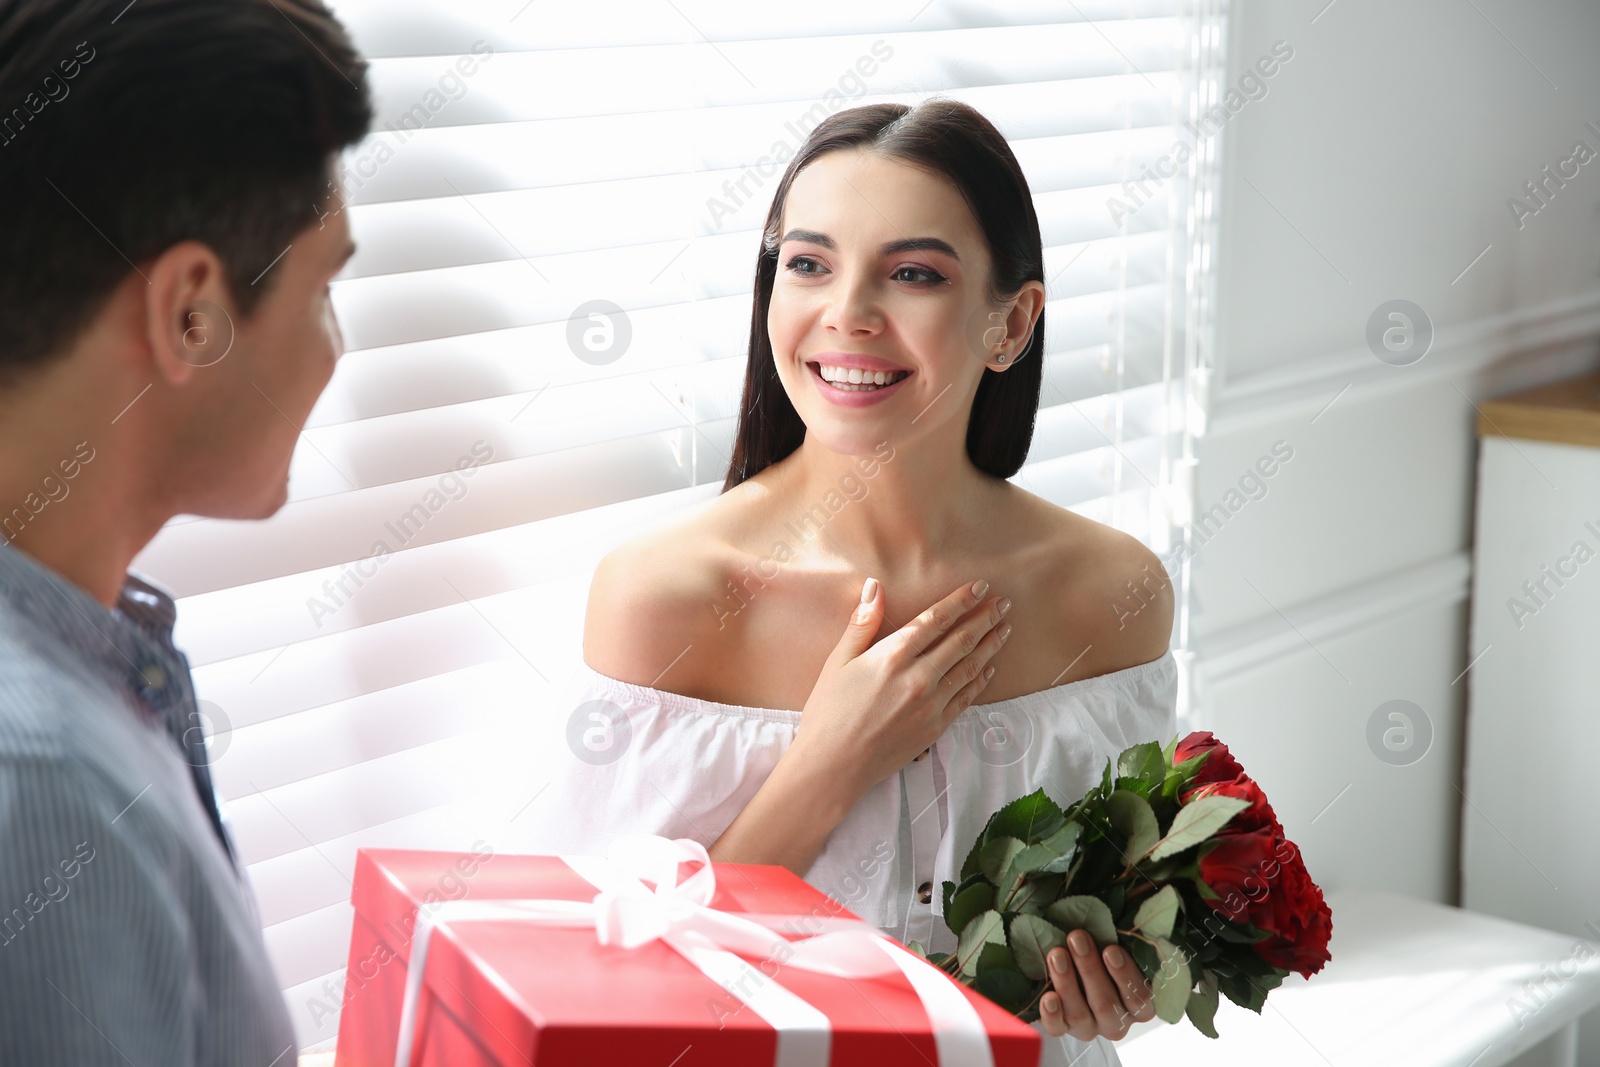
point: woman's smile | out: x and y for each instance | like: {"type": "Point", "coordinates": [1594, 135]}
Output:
{"type": "Point", "coordinates": [854, 387]}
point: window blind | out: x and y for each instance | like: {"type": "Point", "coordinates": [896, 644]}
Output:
{"type": "Point", "coordinates": [375, 659]}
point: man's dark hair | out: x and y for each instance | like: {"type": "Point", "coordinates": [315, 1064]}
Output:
{"type": "Point", "coordinates": [127, 128]}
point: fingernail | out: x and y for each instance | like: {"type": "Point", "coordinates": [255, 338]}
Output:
{"type": "Point", "coordinates": [1080, 942]}
{"type": "Point", "coordinates": [1115, 956]}
{"type": "Point", "coordinates": [869, 589]}
{"type": "Point", "coordinates": [1051, 1003]}
{"type": "Point", "coordinates": [1058, 961]}
{"type": "Point", "coordinates": [1005, 606]}
{"type": "Point", "coordinates": [980, 588]}
{"type": "Point", "coordinates": [1005, 634]}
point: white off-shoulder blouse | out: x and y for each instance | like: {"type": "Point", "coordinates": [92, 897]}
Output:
{"type": "Point", "coordinates": [634, 759]}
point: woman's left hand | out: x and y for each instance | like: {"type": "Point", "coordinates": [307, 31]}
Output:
{"type": "Point", "coordinates": [1112, 996]}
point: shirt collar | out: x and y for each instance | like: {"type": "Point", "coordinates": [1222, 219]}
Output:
{"type": "Point", "coordinates": [125, 642]}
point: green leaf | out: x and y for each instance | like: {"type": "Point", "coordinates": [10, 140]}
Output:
{"type": "Point", "coordinates": [1143, 762]}
{"type": "Point", "coordinates": [997, 856]}
{"type": "Point", "coordinates": [1202, 1006]}
{"type": "Point", "coordinates": [1050, 856]}
{"type": "Point", "coordinates": [1028, 819]}
{"type": "Point", "coordinates": [992, 956]}
{"type": "Point", "coordinates": [968, 882]}
{"type": "Point", "coordinates": [967, 905]}
{"type": "Point", "coordinates": [1252, 964]}
{"type": "Point", "coordinates": [1168, 870]}
{"type": "Point", "coordinates": [1145, 956]}
{"type": "Point", "coordinates": [1196, 822]}
{"type": "Point", "coordinates": [916, 946]}
{"type": "Point", "coordinates": [1242, 991]}
{"type": "Point", "coordinates": [1025, 862]}
{"type": "Point", "coordinates": [1172, 982]}
{"type": "Point", "coordinates": [1131, 814]}
{"type": "Point", "coordinates": [1113, 898]}
{"type": "Point", "coordinates": [1037, 893]}
{"type": "Point", "coordinates": [1170, 750]}
{"type": "Point", "coordinates": [1239, 935]}
{"type": "Point", "coordinates": [1181, 774]}
{"type": "Point", "coordinates": [1031, 938]}
{"type": "Point", "coordinates": [1157, 914]}
{"type": "Point", "coordinates": [1084, 913]}
{"type": "Point", "coordinates": [1006, 987]}
{"type": "Point", "coordinates": [985, 929]}
{"type": "Point", "coordinates": [1064, 842]}
{"type": "Point", "coordinates": [969, 866]}
{"type": "Point", "coordinates": [1137, 786]}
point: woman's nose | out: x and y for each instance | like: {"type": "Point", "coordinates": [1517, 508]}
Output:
{"type": "Point", "coordinates": [853, 307]}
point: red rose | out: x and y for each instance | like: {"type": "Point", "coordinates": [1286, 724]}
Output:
{"type": "Point", "coordinates": [1258, 816]}
{"type": "Point", "coordinates": [1259, 878]}
{"type": "Point", "coordinates": [1218, 766]}
{"type": "Point", "coordinates": [1300, 920]}
{"type": "Point", "coordinates": [1256, 872]}
{"type": "Point", "coordinates": [1233, 870]}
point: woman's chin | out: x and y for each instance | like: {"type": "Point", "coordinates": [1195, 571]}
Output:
{"type": "Point", "coordinates": [845, 441]}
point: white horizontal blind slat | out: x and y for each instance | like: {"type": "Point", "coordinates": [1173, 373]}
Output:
{"type": "Point", "coordinates": [481, 85]}
{"type": "Point", "coordinates": [384, 28]}
{"type": "Point", "coordinates": [439, 159]}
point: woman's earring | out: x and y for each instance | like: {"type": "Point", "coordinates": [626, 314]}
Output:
{"type": "Point", "coordinates": [1002, 358]}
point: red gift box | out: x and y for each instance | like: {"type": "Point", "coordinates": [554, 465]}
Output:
{"type": "Point", "coordinates": [507, 991]}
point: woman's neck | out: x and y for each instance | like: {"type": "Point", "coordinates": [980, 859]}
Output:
{"type": "Point", "coordinates": [891, 510]}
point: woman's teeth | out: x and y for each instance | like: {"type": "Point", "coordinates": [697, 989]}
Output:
{"type": "Point", "coordinates": [858, 381]}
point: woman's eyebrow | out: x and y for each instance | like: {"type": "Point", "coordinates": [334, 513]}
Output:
{"type": "Point", "coordinates": [908, 244]}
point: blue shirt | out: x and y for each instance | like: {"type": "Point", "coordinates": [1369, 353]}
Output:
{"type": "Point", "coordinates": [127, 931]}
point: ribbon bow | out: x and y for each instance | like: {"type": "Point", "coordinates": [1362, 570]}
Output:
{"type": "Point", "coordinates": [628, 914]}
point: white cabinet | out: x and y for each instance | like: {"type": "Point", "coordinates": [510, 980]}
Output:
{"type": "Point", "coordinates": [1530, 805]}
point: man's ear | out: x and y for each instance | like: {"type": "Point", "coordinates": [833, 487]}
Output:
{"type": "Point", "coordinates": [189, 313]}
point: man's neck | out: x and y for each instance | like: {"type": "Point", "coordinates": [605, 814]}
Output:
{"type": "Point", "coordinates": [69, 481]}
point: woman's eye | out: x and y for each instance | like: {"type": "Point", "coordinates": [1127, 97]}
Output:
{"type": "Point", "coordinates": [929, 277]}
{"type": "Point", "coordinates": [920, 275]}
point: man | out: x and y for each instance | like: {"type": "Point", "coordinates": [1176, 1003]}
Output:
{"type": "Point", "coordinates": [169, 223]}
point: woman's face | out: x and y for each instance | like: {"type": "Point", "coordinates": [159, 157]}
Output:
{"type": "Point", "coordinates": [884, 261]}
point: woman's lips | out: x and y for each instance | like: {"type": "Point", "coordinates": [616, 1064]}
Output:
{"type": "Point", "coordinates": [854, 398]}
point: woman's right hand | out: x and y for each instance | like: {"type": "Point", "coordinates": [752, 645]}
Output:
{"type": "Point", "coordinates": [877, 706]}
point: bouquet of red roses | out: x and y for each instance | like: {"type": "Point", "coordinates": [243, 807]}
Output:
{"type": "Point", "coordinates": [1177, 856]}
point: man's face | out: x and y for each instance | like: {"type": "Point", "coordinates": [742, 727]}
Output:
{"type": "Point", "coordinates": [255, 399]}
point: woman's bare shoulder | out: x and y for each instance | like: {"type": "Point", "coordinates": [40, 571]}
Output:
{"type": "Point", "coordinates": [652, 599]}
{"type": "Point", "coordinates": [1111, 589]}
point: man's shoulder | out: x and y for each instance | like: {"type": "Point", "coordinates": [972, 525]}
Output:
{"type": "Point", "coordinates": [36, 696]}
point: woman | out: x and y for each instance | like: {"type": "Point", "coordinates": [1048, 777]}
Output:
{"type": "Point", "coordinates": [894, 373]}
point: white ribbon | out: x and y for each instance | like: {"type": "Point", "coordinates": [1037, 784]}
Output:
{"type": "Point", "coordinates": [628, 914]}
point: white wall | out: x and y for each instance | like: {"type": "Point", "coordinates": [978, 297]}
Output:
{"type": "Point", "coordinates": [1378, 166]}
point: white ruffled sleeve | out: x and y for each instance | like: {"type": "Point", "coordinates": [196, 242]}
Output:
{"type": "Point", "coordinates": [622, 758]}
